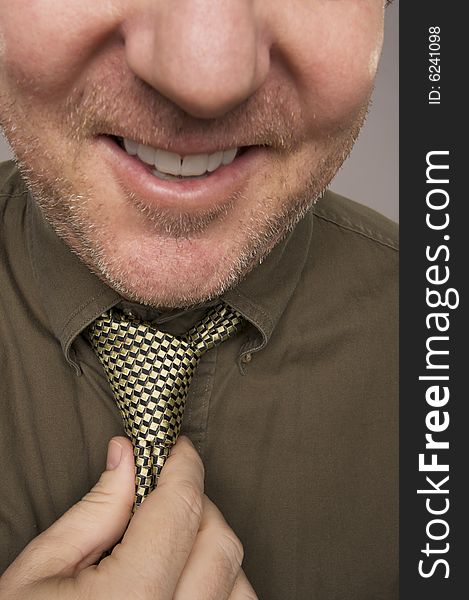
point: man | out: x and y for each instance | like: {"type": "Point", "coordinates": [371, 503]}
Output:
{"type": "Point", "coordinates": [171, 155]}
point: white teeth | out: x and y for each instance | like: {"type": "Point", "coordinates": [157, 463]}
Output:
{"type": "Point", "coordinates": [131, 147]}
{"type": "Point", "coordinates": [165, 176]}
{"type": "Point", "coordinates": [229, 156]}
{"type": "Point", "coordinates": [146, 153]}
{"type": "Point", "coordinates": [214, 161]}
{"type": "Point", "coordinates": [168, 162]}
{"type": "Point", "coordinates": [174, 165]}
{"type": "Point", "coordinates": [168, 177]}
{"type": "Point", "coordinates": [194, 164]}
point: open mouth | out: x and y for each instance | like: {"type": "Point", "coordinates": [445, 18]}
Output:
{"type": "Point", "coordinates": [174, 167]}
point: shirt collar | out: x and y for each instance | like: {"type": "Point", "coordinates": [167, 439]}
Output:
{"type": "Point", "coordinates": [73, 297]}
{"type": "Point", "coordinates": [265, 293]}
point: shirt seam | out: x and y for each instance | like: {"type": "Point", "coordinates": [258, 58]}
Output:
{"type": "Point", "coordinates": [369, 234]}
{"type": "Point", "coordinates": [254, 307]}
{"type": "Point", "coordinates": [255, 322]}
{"type": "Point", "coordinates": [16, 195]}
{"type": "Point", "coordinates": [80, 309]}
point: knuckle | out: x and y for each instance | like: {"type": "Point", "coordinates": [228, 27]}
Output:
{"type": "Point", "coordinates": [231, 547]}
{"type": "Point", "coordinates": [98, 494]}
{"type": "Point", "coordinates": [190, 498]}
{"type": "Point", "coordinates": [187, 451]}
{"type": "Point", "coordinates": [200, 465]}
{"type": "Point", "coordinates": [183, 501]}
{"type": "Point", "coordinates": [92, 503]}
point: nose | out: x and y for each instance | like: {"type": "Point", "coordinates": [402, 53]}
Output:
{"type": "Point", "coordinates": [206, 56]}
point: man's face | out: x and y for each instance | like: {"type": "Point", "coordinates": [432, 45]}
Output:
{"type": "Point", "coordinates": [281, 86]}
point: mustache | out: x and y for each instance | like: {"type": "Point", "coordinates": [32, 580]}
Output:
{"type": "Point", "coordinates": [120, 104]}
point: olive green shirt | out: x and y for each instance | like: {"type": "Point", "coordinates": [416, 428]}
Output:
{"type": "Point", "coordinates": [295, 417]}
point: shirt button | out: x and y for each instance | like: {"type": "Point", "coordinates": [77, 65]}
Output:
{"type": "Point", "coordinates": [246, 358]}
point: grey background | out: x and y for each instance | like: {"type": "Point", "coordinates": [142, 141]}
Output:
{"type": "Point", "coordinates": [370, 175]}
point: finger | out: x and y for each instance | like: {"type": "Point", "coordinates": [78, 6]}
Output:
{"type": "Point", "coordinates": [243, 590]}
{"type": "Point", "coordinates": [163, 529]}
{"type": "Point", "coordinates": [215, 560]}
{"type": "Point", "coordinates": [90, 527]}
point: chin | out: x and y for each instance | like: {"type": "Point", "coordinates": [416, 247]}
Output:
{"type": "Point", "coordinates": [179, 274]}
{"type": "Point", "coordinates": [165, 285]}
{"type": "Point", "coordinates": [178, 293]}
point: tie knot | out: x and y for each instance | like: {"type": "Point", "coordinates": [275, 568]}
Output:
{"type": "Point", "coordinates": [113, 331]}
{"type": "Point", "coordinates": [150, 372]}
{"type": "Point", "coordinates": [220, 323]}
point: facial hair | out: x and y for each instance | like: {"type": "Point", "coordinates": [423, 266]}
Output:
{"type": "Point", "coordinates": [270, 118]}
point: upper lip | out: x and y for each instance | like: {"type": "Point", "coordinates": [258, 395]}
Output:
{"type": "Point", "coordinates": [185, 146]}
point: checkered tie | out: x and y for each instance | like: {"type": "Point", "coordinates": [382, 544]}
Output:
{"type": "Point", "coordinates": [150, 373]}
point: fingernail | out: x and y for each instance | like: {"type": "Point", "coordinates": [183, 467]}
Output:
{"type": "Point", "coordinates": [114, 455]}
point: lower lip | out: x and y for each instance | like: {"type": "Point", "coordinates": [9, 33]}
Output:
{"type": "Point", "coordinates": [196, 194]}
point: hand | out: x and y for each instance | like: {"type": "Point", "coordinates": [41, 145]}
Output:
{"type": "Point", "coordinates": [177, 544]}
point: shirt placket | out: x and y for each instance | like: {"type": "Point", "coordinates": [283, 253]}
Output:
{"type": "Point", "coordinates": [196, 414]}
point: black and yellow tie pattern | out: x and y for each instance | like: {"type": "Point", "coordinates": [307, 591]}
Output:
{"type": "Point", "coordinates": [150, 373]}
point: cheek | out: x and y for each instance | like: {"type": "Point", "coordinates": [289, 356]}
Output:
{"type": "Point", "coordinates": [338, 65]}
{"type": "Point", "coordinates": [45, 42]}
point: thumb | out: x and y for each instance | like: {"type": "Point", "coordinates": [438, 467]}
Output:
{"type": "Point", "coordinates": [91, 526]}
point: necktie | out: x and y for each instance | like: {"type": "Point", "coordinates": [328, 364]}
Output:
{"type": "Point", "coordinates": [150, 373]}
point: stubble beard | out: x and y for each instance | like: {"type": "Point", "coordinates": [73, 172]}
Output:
{"type": "Point", "coordinates": [67, 213]}
{"type": "Point", "coordinates": [70, 213]}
